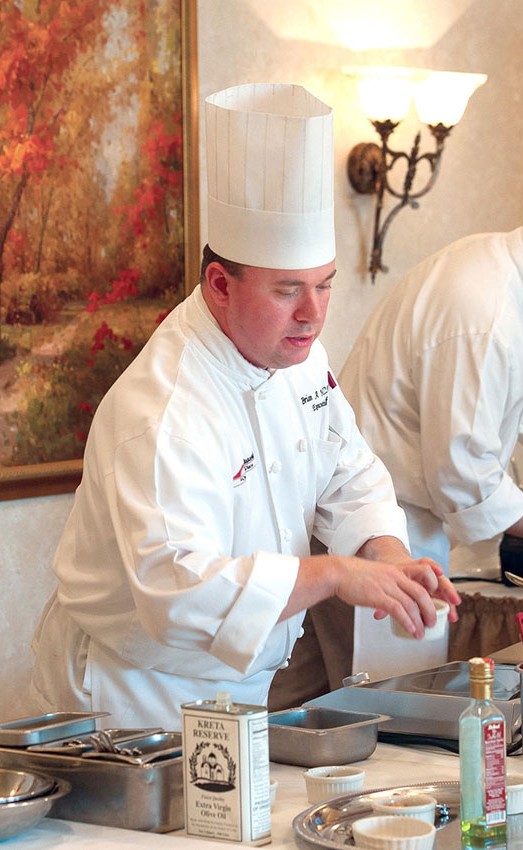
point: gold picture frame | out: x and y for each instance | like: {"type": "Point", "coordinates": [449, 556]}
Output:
{"type": "Point", "coordinates": [63, 476]}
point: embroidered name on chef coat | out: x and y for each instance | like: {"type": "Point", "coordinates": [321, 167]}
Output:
{"type": "Point", "coordinates": [318, 398]}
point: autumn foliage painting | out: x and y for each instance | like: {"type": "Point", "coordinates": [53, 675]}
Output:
{"type": "Point", "coordinates": [91, 207]}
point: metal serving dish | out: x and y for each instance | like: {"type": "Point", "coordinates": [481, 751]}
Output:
{"type": "Point", "coordinates": [329, 824]}
{"type": "Point", "coordinates": [47, 727]}
{"type": "Point", "coordinates": [316, 736]}
{"type": "Point", "coordinates": [117, 793]}
{"type": "Point", "coordinates": [19, 816]}
{"type": "Point", "coordinates": [16, 785]}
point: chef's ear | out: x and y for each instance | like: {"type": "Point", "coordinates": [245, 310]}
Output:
{"type": "Point", "coordinates": [217, 281]}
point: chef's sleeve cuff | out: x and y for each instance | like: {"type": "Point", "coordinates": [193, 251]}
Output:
{"type": "Point", "coordinates": [489, 518]}
{"type": "Point", "coordinates": [370, 521]}
{"type": "Point", "coordinates": [246, 628]}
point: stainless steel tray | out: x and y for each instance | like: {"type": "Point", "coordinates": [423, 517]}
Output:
{"type": "Point", "coordinates": [47, 727]}
{"type": "Point", "coordinates": [79, 745]}
{"type": "Point", "coordinates": [146, 797]}
{"type": "Point", "coordinates": [428, 703]}
{"type": "Point", "coordinates": [140, 750]}
{"type": "Point", "coordinates": [314, 736]}
{"type": "Point", "coordinates": [329, 824]}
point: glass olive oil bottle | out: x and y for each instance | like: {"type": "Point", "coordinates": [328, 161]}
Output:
{"type": "Point", "coordinates": [482, 761]}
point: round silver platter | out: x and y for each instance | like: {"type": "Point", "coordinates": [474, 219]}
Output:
{"type": "Point", "coordinates": [329, 824]}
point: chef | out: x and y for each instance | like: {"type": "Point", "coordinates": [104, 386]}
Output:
{"type": "Point", "coordinates": [184, 568]}
{"type": "Point", "coordinates": [436, 382]}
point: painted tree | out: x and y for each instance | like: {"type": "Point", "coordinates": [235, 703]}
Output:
{"type": "Point", "coordinates": [41, 42]}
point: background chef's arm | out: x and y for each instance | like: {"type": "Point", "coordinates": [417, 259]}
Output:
{"type": "Point", "coordinates": [470, 411]}
{"type": "Point", "coordinates": [516, 530]}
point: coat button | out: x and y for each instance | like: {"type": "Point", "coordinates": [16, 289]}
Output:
{"type": "Point", "coordinates": [275, 466]}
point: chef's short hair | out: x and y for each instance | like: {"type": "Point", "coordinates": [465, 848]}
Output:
{"type": "Point", "coordinates": [209, 256]}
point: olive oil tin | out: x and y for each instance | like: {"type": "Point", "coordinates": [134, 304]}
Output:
{"type": "Point", "coordinates": [226, 771]}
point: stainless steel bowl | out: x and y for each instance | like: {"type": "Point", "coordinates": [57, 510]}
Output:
{"type": "Point", "coordinates": [25, 814]}
{"type": "Point", "coordinates": [16, 785]}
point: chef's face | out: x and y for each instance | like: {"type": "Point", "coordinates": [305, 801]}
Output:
{"type": "Point", "coordinates": [272, 316]}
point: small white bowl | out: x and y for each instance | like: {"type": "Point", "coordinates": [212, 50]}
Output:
{"type": "Point", "coordinates": [406, 804]}
{"type": "Point", "coordinates": [514, 788]}
{"type": "Point", "coordinates": [332, 781]}
{"type": "Point", "coordinates": [432, 632]}
{"type": "Point", "coordinates": [393, 833]}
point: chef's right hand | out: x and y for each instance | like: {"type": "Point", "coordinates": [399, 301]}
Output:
{"type": "Point", "coordinates": [402, 591]}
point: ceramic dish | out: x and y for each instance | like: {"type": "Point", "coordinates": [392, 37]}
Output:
{"type": "Point", "coordinates": [514, 787]}
{"type": "Point", "coordinates": [411, 804]}
{"type": "Point", "coordinates": [390, 832]}
{"type": "Point", "coordinates": [432, 633]}
{"type": "Point", "coordinates": [331, 781]}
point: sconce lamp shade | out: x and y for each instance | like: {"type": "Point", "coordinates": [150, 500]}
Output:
{"type": "Point", "coordinates": [385, 92]}
{"type": "Point", "coordinates": [443, 96]}
{"type": "Point", "coordinates": [440, 97]}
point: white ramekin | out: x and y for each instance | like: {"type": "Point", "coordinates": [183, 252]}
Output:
{"type": "Point", "coordinates": [393, 833]}
{"type": "Point", "coordinates": [332, 781]}
{"type": "Point", "coordinates": [405, 804]}
{"type": "Point", "coordinates": [433, 632]}
{"type": "Point", "coordinates": [514, 788]}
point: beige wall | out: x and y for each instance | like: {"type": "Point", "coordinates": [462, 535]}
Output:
{"type": "Point", "coordinates": [303, 41]}
{"type": "Point", "coordinates": [480, 186]}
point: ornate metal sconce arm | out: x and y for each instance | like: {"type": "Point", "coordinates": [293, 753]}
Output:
{"type": "Point", "coordinates": [369, 167]}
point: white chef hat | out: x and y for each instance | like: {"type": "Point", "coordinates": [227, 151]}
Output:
{"type": "Point", "coordinates": [270, 176]}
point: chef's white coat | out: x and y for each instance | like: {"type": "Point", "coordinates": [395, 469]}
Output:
{"type": "Point", "coordinates": [204, 479]}
{"type": "Point", "coordinates": [436, 382]}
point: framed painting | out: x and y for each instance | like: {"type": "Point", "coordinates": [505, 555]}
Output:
{"type": "Point", "coordinates": [99, 213]}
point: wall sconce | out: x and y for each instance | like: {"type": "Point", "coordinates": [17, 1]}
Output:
{"type": "Point", "coordinates": [386, 93]}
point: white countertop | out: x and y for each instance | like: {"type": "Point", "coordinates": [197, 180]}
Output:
{"type": "Point", "coordinates": [492, 589]}
{"type": "Point", "coordinates": [389, 765]}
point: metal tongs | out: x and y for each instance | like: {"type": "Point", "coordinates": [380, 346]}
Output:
{"type": "Point", "coordinates": [146, 748]}
{"type": "Point", "coordinates": [102, 742]}
{"type": "Point", "coordinates": [514, 579]}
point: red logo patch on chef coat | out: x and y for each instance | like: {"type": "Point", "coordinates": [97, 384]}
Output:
{"type": "Point", "coordinates": [241, 476]}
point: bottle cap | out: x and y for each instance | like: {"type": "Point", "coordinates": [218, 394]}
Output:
{"type": "Point", "coordinates": [481, 669]}
{"type": "Point", "coordinates": [223, 700]}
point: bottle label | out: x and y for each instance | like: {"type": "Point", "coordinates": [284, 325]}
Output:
{"type": "Point", "coordinates": [494, 743]}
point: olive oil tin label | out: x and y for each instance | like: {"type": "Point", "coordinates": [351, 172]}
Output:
{"type": "Point", "coordinates": [226, 771]}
